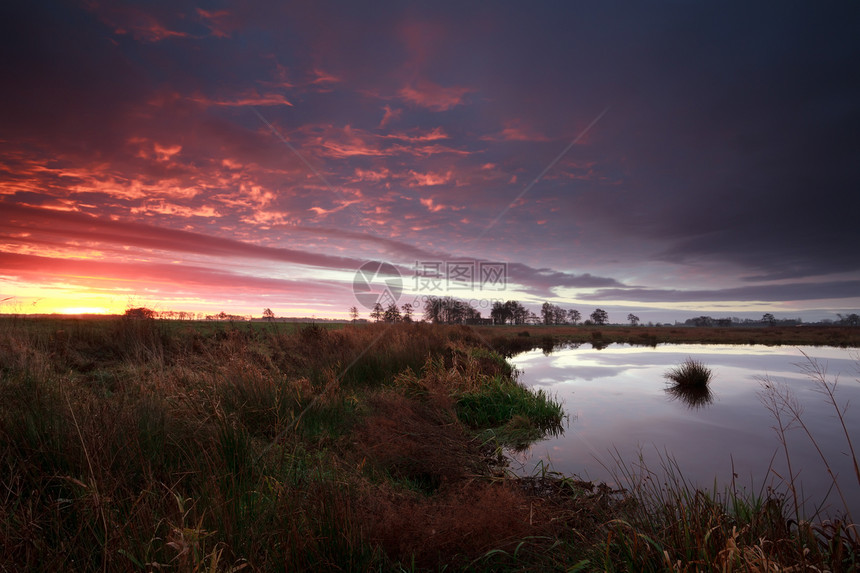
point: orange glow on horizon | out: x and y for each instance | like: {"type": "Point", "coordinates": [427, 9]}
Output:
{"type": "Point", "coordinates": [74, 303]}
{"type": "Point", "coordinates": [85, 310]}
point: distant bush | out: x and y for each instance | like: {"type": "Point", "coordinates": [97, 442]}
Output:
{"type": "Point", "coordinates": [140, 313]}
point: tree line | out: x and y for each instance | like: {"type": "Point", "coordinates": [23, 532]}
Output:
{"type": "Point", "coordinates": [450, 310]}
{"type": "Point", "coordinates": [767, 319]}
{"type": "Point", "coordinates": [143, 312]}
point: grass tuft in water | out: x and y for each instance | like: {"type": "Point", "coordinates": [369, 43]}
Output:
{"type": "Point", "coordinates": [691, 372]}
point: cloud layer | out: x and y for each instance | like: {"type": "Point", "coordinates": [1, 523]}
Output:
{"type": "Point", "coordinates": [262, 152]}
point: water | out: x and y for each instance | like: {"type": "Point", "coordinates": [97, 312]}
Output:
{"type": "Point", "coordinates": [618, 405]}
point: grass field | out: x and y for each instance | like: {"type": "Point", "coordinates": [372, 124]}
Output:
{"type": "Point", "coordinates": [516, 338]}
{"type": "Point", "coordinates": [159, 445]}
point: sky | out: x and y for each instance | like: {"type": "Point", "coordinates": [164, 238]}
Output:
{"type": "Point", "coordinates": [668, 159]}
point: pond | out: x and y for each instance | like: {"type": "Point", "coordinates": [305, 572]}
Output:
{"type": "Point", "coordinates": [620, 406]}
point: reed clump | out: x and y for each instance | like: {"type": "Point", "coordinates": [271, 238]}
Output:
{"type": "Point", "coordinates": [690, 373]}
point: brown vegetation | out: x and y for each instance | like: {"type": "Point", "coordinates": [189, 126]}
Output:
{"type": "Point", "coordinates": [149, 444]}
{"type": "Point", "coordinates": [517, 338]}
{"type": "Point", "coordinates": [153, 445]}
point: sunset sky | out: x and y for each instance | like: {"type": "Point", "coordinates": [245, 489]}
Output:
{"type": "Point", "coordinates": [669, 159]}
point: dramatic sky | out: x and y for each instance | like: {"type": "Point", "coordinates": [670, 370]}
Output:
{"type": "Point", "coordinates": [669, 159]}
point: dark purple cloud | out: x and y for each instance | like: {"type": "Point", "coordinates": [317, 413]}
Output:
{"type": "Point", "coordinates": [778, 292]}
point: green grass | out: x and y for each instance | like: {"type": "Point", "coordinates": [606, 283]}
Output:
{"type": "Point", "coordinates": [514, 412]}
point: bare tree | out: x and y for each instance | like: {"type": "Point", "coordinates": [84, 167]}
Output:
{"type": "Point", "coordinates": [574, 316]}
{"type": "Point", "coordinates": [268, 314]}
{"type": "Point", "coordinates": [353, 313]}
{"type": "Point", "coordinates": [634, 320]}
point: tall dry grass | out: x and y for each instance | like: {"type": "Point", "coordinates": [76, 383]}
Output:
{"type": "Point", "coordinates": [140, 444]}
{"type": "Point", "coordinates": [151, 445]}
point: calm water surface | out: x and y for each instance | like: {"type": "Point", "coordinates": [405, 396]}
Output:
{"type": "Point", "coordinates": [617, 400]}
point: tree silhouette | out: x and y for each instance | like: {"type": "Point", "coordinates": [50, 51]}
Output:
{"type": "Point", "coordinates": [377, 313]}
{"type": "Point", "coordinates": [140, 313]}
{"type": "Point", "coordinates": [546, 313]}
{"type": "Point", "coordinates": [519, 314]}
{"type": "Point", "coordinates": [353, 313]}
{"type": "Point", "coordinates": [392, 313]}
{"type": "Point", "coordinates": [634, 320]}
{"type": "Point", "coordinates": [599, 317]}
{"type": "Point", "coordinates": [509, 312]}
{"type": "Point", "coordinates": [552, 314]}
{"type": "Point", "coordinates": [407, 312]}
{"type": "Point", "coordinates": [499, 313]}
{"type": "Point", "coordinates": [448, 310]}
{"type": "Point", "coordinates": [574, 316]}
{"type": "Point", "coordinates": [849, 319]}
{"type": "Point", "coordinates": [268, 314]}
{"type": "Point", "coordinates": [433, 309]}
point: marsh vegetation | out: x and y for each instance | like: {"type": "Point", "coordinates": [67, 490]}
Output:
{"type": "Point", "coordinates": [160, 445]}
{"type": "Point", "coordinates": [690, 374]}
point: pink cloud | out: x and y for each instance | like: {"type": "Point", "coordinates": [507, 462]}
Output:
{"type": "Point", "coordinates": [155, 32]}
{"type": "Point", "coordinates": [250, 97]}
{"type": "Point", "coordinates": [220, 22]}
{"type": "Point", "coordinates": [435, 134]}
{"type": "Point", "coordinates": [162, 207]}
{"type": "Point", "coordinates": [431, 206]}
{"type": "Point", "coordinates": [348, 141]}
{"type": "Point", "coordinates": [428, 150]}
{"type": "Point", "coordinates": [141, 25]}
{"type": "Point", "coordinates": [341, 205]}
{"type": "Point", "coordinates": [166, 152]}
{"type": "Point", "coordinates": [434, 97]}
{"type": "Point", "coordinates": [73, 228]}
{"type": "Point", "coordinates": [516, 130]}
{"type": "Point", "coordinates": [152, 277]}
{"type": "Point", "coordinates": [429, 179]}
{"type": "Point", "coordinates": [390, 115]}
{"type": "Point", "coordinates": [371, 175]}
{"type": "Point", "coordinates": [331, 141]}
{"type": "Point", "coordinates": [323, 77]}
{"type": "Point", "coordinates": [577, 169]}
{"type": "Point", "coordinates": [434, 207]}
